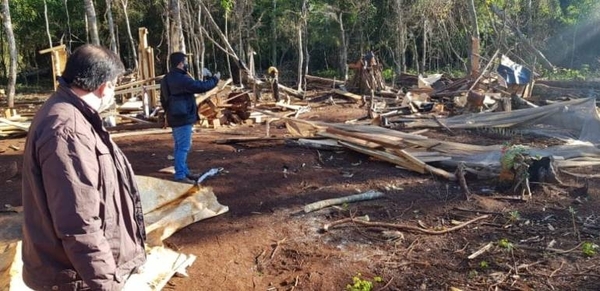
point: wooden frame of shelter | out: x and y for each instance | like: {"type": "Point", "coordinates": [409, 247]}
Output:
{"type": "Point", "coordinates": [59, 60]}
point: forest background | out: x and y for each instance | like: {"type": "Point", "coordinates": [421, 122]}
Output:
{"type": "Point", "coordinates": [561, 38]}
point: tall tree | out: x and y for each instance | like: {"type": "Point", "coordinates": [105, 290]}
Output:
{"type": "Point", "coordinates": [302, 47]}
{"type": "Point", "coordinates": [111, 26]}
{"type": "Point", "coordinates": [90, 13]}
{"type": "Point", "coordinates": [12, 51]}
{"type": "Point", "coordinates": [124, 4]}
{"type": "Point", "coordinates": [69, 36]}
{"type": "Point", "coordinates": [176, 43]}
{"type": "Point", "coordinates": [400, 35]}
{"type": "Point", "coordinates": [47, 24]}
{"type": "Point", "coordinates": [474, 57]}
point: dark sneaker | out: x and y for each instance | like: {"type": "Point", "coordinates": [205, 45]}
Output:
{"type": "Point", "coordinates": [185, 180]}
{"type": "Point", "coordinates": [193, 176]}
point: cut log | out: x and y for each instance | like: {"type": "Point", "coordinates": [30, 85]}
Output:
{"type": "Point", "coordinates": [369, 195]}
{"type": "Point", "coordinates": [347, 94]}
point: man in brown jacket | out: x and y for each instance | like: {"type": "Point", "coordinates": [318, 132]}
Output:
{"type": "Point", "coordinates": [83, 222]}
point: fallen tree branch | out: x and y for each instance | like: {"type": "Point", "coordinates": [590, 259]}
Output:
{"type": "Point", "coordinates": [557, 251]}
{"type": "Point", "coordinates": [481, 251]}
{"type": "Point", "coordinates": [408, 228]}
{"type": "Point", "coordinates": [369, 195]}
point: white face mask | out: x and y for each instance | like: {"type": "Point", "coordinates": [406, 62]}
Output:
{"type": "Point", "coordinates": [106, 103]}
{"type": "Point", "coordinates": [103, 103]}
{"type": "Point", "coordinates": [99, 104]}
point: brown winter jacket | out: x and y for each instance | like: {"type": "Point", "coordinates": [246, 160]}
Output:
{"type": "Point", "coordinates": [83, 222]}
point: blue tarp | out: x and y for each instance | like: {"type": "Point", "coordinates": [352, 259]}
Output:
{"type": "Point", "coordinates": [512, 72]}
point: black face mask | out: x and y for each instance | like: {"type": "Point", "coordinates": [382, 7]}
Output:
{"type": "Point", "coordinates": [186, 67]}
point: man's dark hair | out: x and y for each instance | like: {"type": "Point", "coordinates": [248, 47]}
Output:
{"type": "Point", "coordinates": [90, 66]}
{"type": "Point", "coordinates": [176, 58]}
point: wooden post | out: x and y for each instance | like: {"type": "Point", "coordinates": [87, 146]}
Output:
{"type": "Point", "coordinates": [146, 64]}
{"type": "Point", "coordinates": [474, 57]}
{"type": "Point", "coordinates": [59, 60]}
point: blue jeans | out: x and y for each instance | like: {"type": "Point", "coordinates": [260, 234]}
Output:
{"type": "Point", "coordinates": [182, 136]}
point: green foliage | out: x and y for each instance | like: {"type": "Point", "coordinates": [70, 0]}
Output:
{"type": "Point", "coordinates": [328, 73]}
{"type": "Point", "coordinates": [582, 74]}
{"type": "Point", "coordinates": [484, 265]}
{"type": "Point", "coordinates": [589, 249]}
{"type": "Point", "coordinates": [508, 155]}
{"type": "Point", "coordinates": [505, 244]}
{"type": "Point", "coordinates": [514, 216]}
{"type": "Point", "coordinates": [388, 74]}
{"type": "Point", "coordinates": [227, 5]}
{"type": "Point", "coordinates": [359, 284]}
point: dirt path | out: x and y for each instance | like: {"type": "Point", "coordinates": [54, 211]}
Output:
{"type": "Point", "coordinates": [265, 241]}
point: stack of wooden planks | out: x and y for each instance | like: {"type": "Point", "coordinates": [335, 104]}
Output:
{"type": "Point", "coordinates": [15, 125]}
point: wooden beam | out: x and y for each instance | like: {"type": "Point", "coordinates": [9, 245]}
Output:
{"type": "Point", "coordinates": [347, 94]}
{"type": "Point", "coordinates": [15, 124]}
{"type": "Point", "coordinates": [52, 49]}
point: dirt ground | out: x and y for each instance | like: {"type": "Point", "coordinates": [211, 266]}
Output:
{"type": "Point", "coordinates": [266, 241]}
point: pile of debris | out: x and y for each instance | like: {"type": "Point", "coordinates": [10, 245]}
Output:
{"type": "Point", "coordinates": [498, 100]}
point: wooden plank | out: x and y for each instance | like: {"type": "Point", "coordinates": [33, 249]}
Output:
{"type": "Point", "coordinates": [433, 159]}
{"type": "Point", "coordinates": [356, 141]}
{"type": "Point", "coordinates": [138, 90]}
{"type": "Point", "coordinates": [377, 130]}
{"type": "Point", "coordinates": [134, 119]}
{"type": "Point", "coordinates": [320, 144]}
{"type": "Point", "coordinates": [55, 48]}
{"type": "Point", "coordinates": [333, 82]}
{"type": "Point", "coordinates": [371, 138]}
{"type": "Point", "coordinates": [405, 160]}
{"type": "Point", "coordinates": [347, 94]}
{"type": "Point", "coordinates": [140, 132]}
{"type": "Point", "coordinates": [385, 156]}
{"type": "Point", "coordinates": [243, 139]}
{"type": "Point", "coordinates": [15, 124]}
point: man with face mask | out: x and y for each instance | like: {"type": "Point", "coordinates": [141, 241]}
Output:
{"type": "Point", "coordinates": [83, 223]}
{"type": "Point", "coordinates": [177, 98]}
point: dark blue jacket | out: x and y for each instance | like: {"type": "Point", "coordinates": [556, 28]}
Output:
{"type": "Point", "coordinates": [177, 98]}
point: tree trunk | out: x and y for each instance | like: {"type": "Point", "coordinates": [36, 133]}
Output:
{"type": "Point", "coordinates": [399, 48]}
{"type": "Point", "coordinates": [474, 57]}
{"type": "Point", "coordinates": [68, 26]}
{"type": "Point", "coordinates": [47, 24]}
{"type": "Point", "coordinates": [416, 55]}
{"type": "Point", "coordinates": [90, 13]}
{"type": "Point", "coordinates": [300, 57]}
{"type": "Point", "coordinates": [130, 35]}
{"type": "Point", "coordinates": [227, 36]}
{"type": "Point", "coordinates": [424, 59]}
{"type": "Point", "coordinates": [12, 51]}
{"type": "Point", "coordinates": [111, 26]}
{"type": "Point", "coordinates": [344, 48]}
{"type": "Point", "coordinates": [200, 38]}
{"type": "Point", "coordinates": [274, 34]}
{"type": "Point", "coordinates": [303, 45]}
{"type": "Point", "coordinates": [176, 43]}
